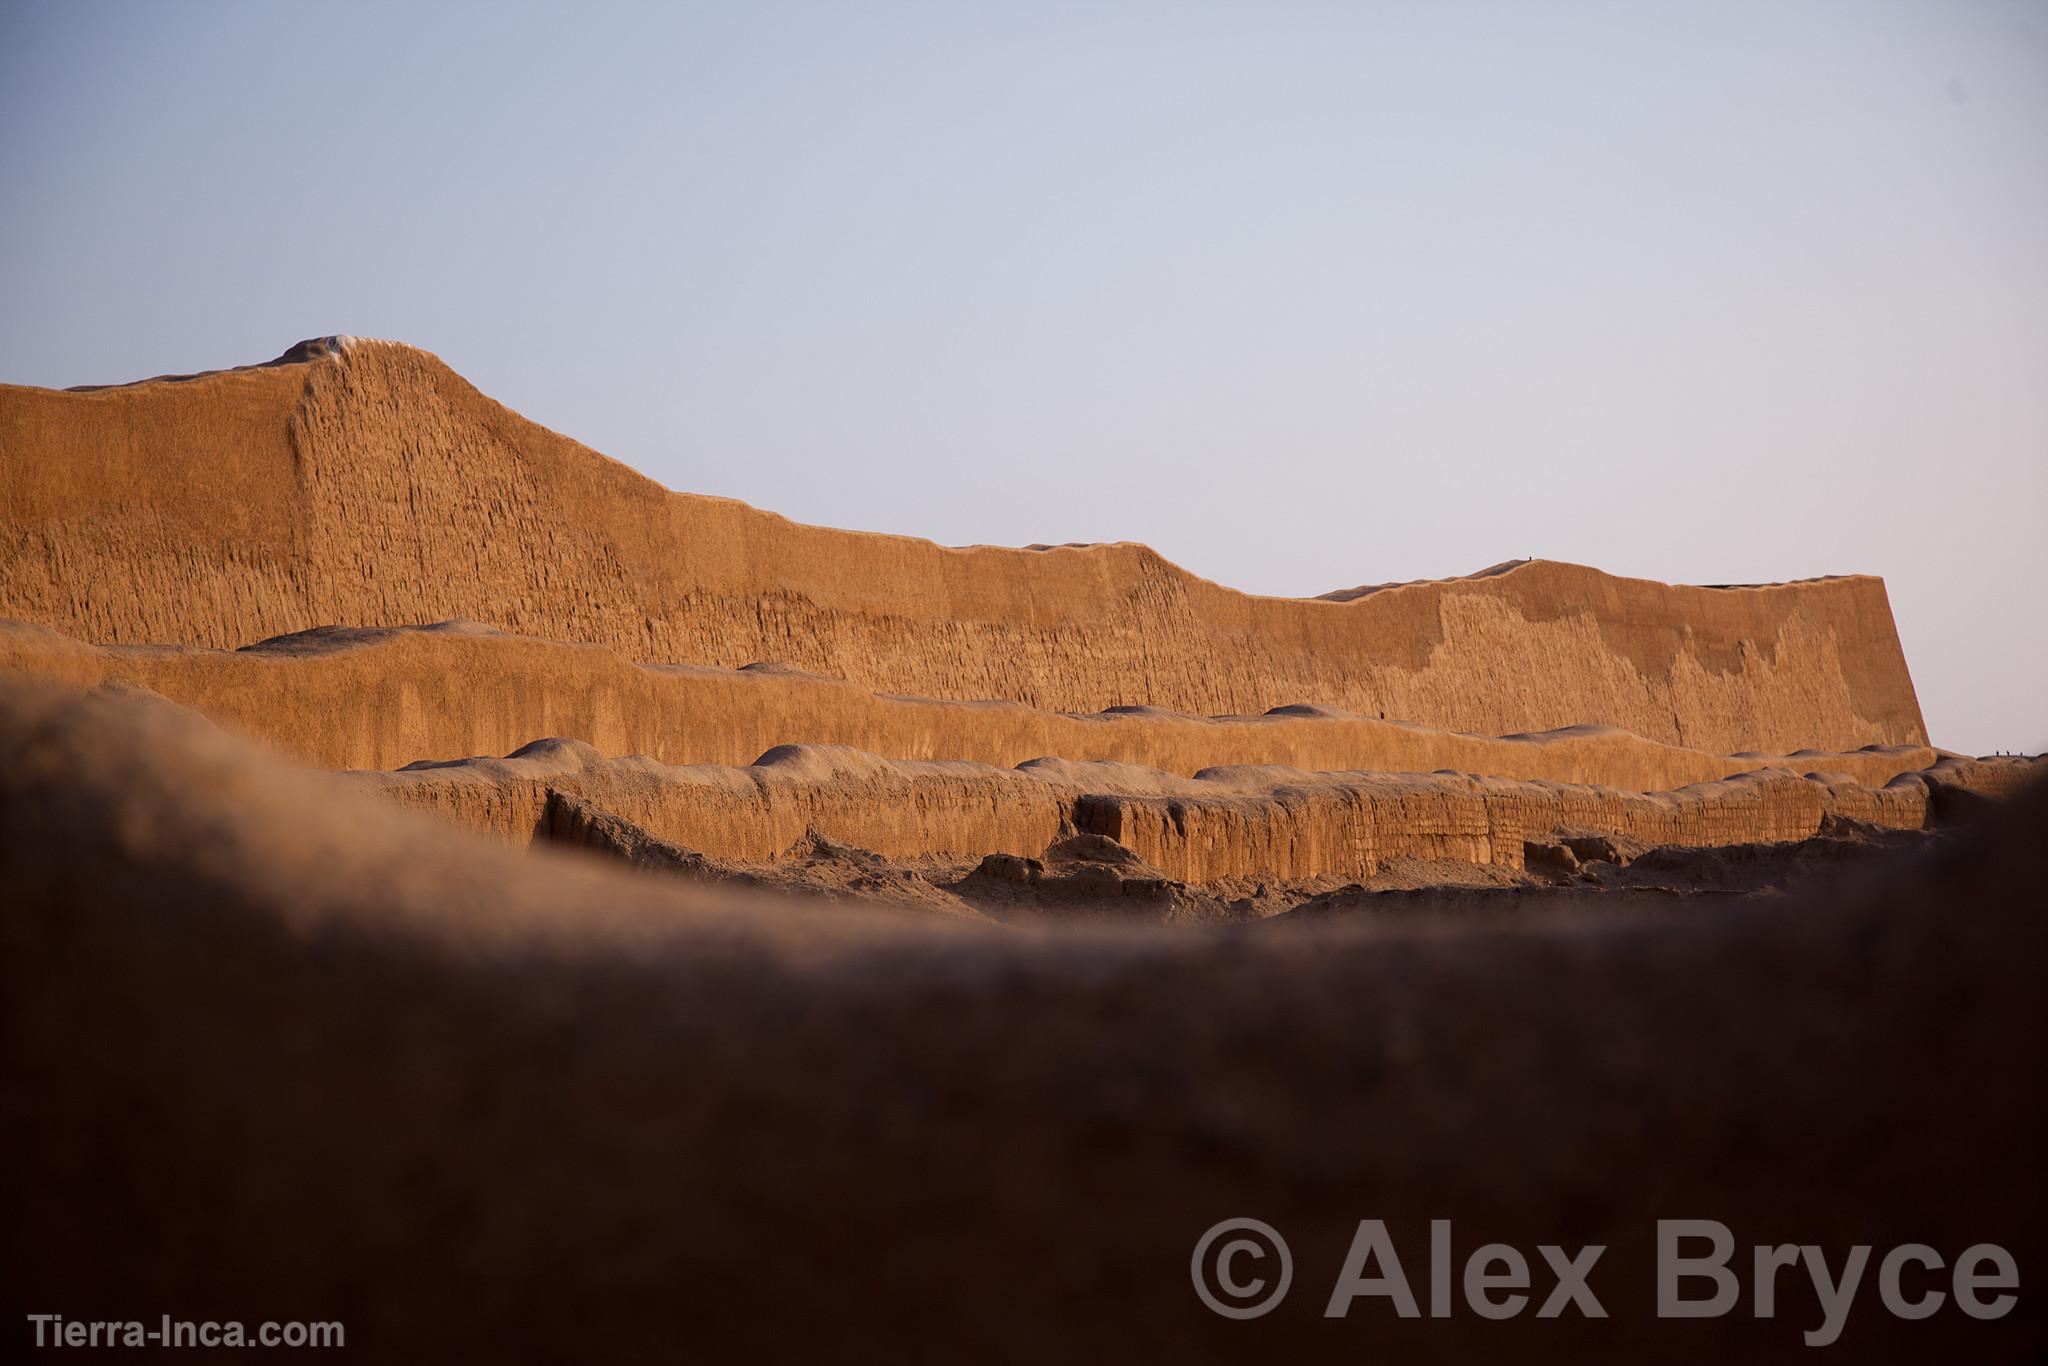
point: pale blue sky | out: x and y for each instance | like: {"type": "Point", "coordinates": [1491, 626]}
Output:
{"type": "Point", "coordinates": [1304, 295]}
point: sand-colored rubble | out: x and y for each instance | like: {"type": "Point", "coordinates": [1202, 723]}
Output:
{"type": "Point", "coordinates": [371, 485]}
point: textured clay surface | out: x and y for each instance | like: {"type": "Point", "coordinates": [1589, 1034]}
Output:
{"type": "Point", "coordinates": [1243, 822]}
{"type": "Point", "coordinates": [373, 486]}
{"type": "Point", "coordinates": [363, 699]}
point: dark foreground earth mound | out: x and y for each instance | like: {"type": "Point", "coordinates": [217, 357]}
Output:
{"type": "Point", "coordinates": [274, 1050]}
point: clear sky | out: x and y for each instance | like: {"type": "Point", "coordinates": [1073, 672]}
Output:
{"type": "Point", "coordinates": [1304, 295]}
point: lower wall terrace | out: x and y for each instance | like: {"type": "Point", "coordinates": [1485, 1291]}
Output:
{"type": "Point", "coordinates": [1224, 823]}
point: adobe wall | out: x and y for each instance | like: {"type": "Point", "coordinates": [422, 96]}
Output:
{"type": "Point", "coordinates": [1230, 823]}
{"type": "Point", "coordinates": [376, 487]}
{"type": "Point", "coordinates": [383, 699]}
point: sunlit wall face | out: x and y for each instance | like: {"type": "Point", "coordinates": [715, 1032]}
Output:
{"type": "Point", "coordinates": [1304, 295]}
